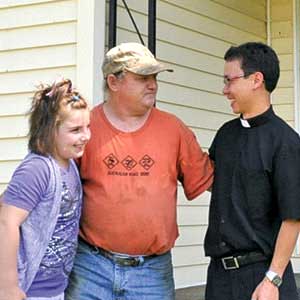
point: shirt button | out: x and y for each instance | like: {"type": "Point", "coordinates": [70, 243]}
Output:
{"type": "Point", "coordinates": [223, 244]}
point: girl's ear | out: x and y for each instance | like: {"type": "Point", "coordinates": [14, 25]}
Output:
{"type": "Point", "coordinates": [112, 82]}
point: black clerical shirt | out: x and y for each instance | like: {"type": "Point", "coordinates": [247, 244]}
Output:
{"type": "Point", "coordinates": [256, 185]}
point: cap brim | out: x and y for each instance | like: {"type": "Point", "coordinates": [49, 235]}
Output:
{"type": "Point", "coordinates": [149, 70]}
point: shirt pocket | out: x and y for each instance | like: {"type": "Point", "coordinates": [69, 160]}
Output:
{"type": "Point", "coordinates": [256, 191]}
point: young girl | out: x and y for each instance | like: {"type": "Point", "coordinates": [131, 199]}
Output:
{"type": "Point", "coordinates": [39, 216]}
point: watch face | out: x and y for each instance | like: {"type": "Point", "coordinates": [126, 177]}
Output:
{"type": "Point", "coordinates": [274, 278]}
{"type": "Point", "coordinates": [277, 281]}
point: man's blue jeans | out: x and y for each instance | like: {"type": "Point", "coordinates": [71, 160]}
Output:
{"type": "Point", "coordinates": [95, 277]}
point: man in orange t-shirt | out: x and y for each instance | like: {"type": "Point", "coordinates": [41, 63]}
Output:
{"type": "Point", "coordinates": [130, 170]}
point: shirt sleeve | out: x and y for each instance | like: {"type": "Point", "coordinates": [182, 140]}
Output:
{"type": "Point", "coordinates": [28, 184]}
{"type": "Point", "coordinates": [286, 180]}
{"type": "Point", "coordinates": [211, 150]}
{"type": "Point", "coordinates": [195, 167]}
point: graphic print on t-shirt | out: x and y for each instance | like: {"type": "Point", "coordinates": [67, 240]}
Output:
{"type": "Point", "coordinates": [128, 166]}
{"type": "Point", "coordinates": [62, 246]}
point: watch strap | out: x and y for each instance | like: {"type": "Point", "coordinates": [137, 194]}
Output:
{"type": "Point", "coordinates": [274, 278]}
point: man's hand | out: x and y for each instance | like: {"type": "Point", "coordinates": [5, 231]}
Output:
{"type": "Point", "coordinates": [285, 244]}
{"type": "Point", "coordinates": [11, 293]}
{"type": "Point", "coordinates": [266, 290]}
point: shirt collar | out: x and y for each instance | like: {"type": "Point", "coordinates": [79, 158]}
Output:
{"type": "Point", "coordinates": [257, 120]}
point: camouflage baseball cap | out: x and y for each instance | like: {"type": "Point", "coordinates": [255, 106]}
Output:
{"type": "Point", "coordinates": [133, 57]}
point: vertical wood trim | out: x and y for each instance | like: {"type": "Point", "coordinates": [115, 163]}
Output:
{"type": "Point", "coordinates": [268, 8]}
{"type": "Point", "coordinates": [269, 33]}
{"type": "Point", "coordinates": [90, 49]}
{"type": "Point", "coordinates": [296, 29]}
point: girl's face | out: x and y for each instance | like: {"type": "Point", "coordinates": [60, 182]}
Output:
{"type": "Point", "coordinates": [72, 135]}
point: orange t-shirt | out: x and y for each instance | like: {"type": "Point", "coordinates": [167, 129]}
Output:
{"type": "Point", "coordinates": [130, 182]}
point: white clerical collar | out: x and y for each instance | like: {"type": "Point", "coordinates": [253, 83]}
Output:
{"type": "Point", "coordinates": [245, 123]}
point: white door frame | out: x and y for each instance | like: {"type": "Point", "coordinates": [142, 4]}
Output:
{"type": "Point", "coordinates": [296, 26]}
{"type": "Point", "coordinates": [90, 48]}
{"type": "Point", "coordinates": [296, 21]}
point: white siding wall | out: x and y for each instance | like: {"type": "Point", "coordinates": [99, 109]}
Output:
{"type": "Point", "coordinates": [192, 37]}
{"type": "Point", "coordinates": [40, 39]}
{"type": "Point", "coordinates": [283, 100]}
{"type": "Point", "coordinates": [37, 43]}
{"type": "Point", "coordinates": [282, 42]}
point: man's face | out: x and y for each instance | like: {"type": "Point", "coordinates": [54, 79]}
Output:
{"type": "Point", "coordinates": [237, 87]}
{"type": "Point", "coordinates": [138, 91]}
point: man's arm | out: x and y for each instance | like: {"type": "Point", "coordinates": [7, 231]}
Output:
{"type": "Point", "coordinates": [284, 248]}
{"type": "Point", "coordinates": [10, 219]}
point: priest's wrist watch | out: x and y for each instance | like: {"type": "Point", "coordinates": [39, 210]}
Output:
{"type": "Point", "coordinates": [274, 278]}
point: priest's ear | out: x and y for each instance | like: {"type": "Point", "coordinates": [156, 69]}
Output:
{"type": "Point", "coordinates": [258, 78]}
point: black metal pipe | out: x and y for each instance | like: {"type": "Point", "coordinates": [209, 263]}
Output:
{"type": "Point", "coordinates": [112, 24]}
{"type": "Point", "coordinates": [152, 26]}
{"type": "Point", "coordinates": [133, 22]}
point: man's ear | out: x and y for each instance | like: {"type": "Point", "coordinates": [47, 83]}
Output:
{"type": "Point", "coordinates": [258, 79]}
{"type": "Point", "coordinates": [112, 82]}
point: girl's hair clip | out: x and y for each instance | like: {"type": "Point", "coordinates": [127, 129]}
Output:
{"type": "Point", "coordinates": [50, 94]}
{"type": "Point", "coordinates": [57, 81]}
{"type": "Point", "coordinates": [75, 98]}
